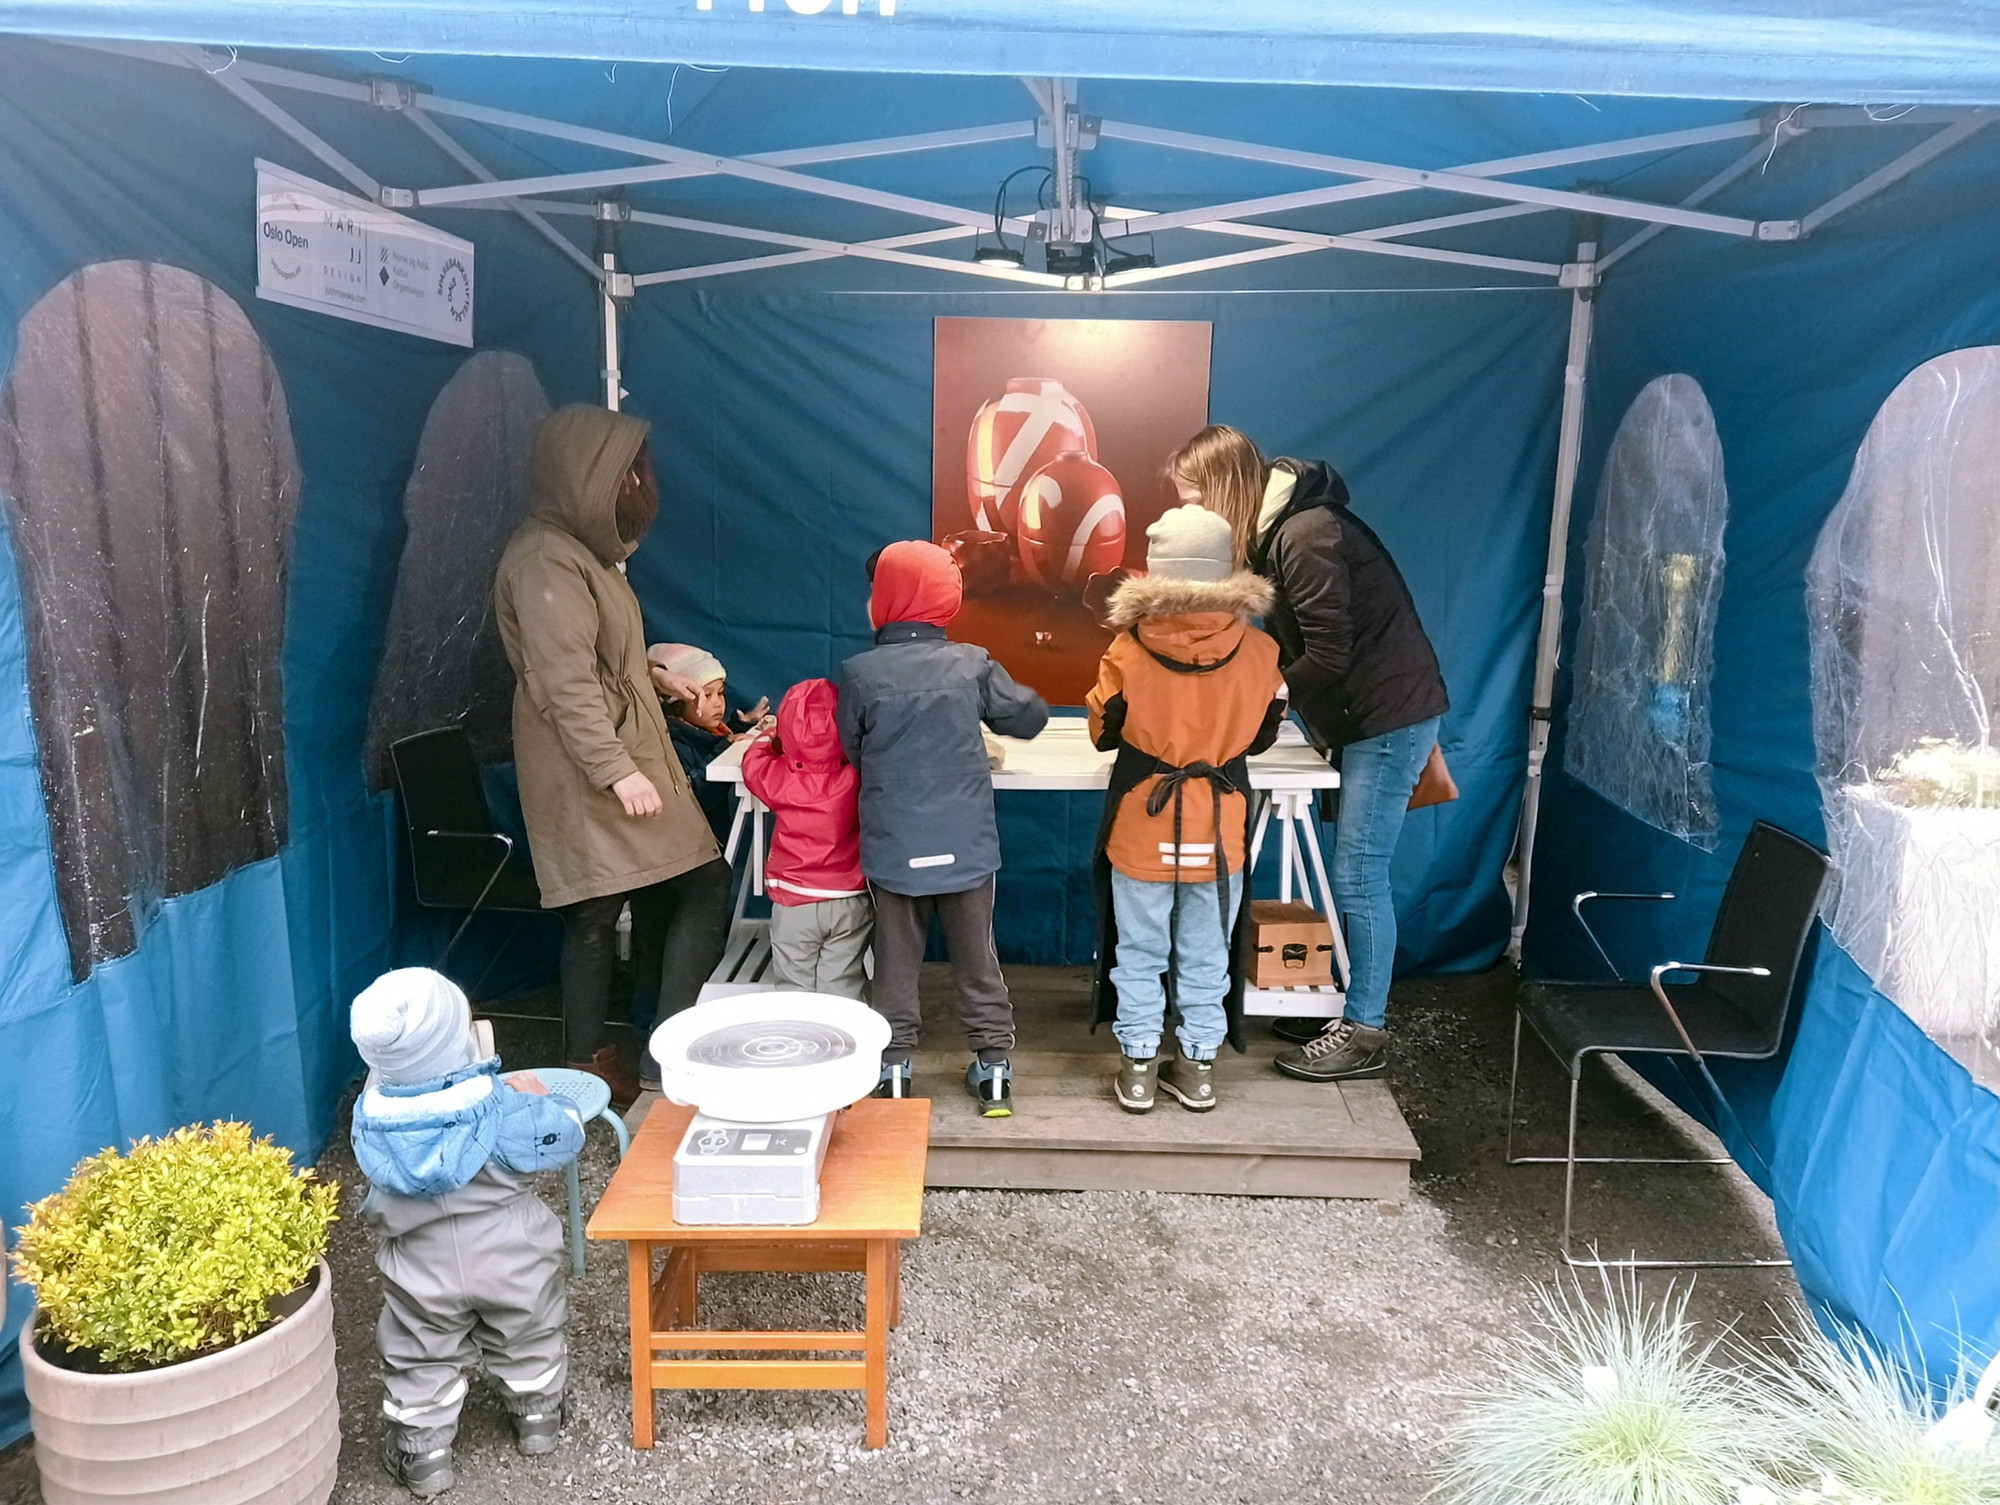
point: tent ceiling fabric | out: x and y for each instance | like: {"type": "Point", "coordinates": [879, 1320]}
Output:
{"type": "Point", "coordinates": [1842, 51]}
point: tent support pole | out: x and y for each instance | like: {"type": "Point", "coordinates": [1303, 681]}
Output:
{"type": "Point", "coordinates": [1568, 452]}
{"type": "Point", "coordinates": [614, 290]}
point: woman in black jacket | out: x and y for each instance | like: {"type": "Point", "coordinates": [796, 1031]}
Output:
{"type": "Point", "coordinates": [1363, 678]}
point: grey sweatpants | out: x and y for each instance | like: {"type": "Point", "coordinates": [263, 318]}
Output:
{"type": "Point", "coordinates": [902, 925]}
{"type": "Point", "coordinates": [819, 946]}
{"type": "Point", "coordinates": [481, 1285]}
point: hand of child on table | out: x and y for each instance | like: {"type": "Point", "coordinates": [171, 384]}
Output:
{"type": "Point", "coordinates": [636, 793]}
{"type": "Point", "coordinates": [527, 1081]}
{"type": "Point", "coordinates": [756, 721]}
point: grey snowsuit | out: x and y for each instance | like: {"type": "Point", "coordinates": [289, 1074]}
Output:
{"type": "Point", "coordinates": [910, 712]}
{"type": "Point", "coordinates": [471, 1259]}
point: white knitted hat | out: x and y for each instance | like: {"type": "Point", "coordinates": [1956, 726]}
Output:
{"type": "Point", "coordinates": [413, 1025]}
{"type": "Point", "coordinates": [1190, 543]}
{"type": "Point", "coordinates": [688, 661]}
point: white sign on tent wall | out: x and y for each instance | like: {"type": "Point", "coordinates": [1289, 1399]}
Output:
{"type": "Point", "coordinates": [333, 253]}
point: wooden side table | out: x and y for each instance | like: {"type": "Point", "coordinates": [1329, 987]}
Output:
{"type": "Point", "coordinates": [871, 1198]}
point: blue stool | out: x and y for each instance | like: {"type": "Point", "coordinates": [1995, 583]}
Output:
{"type": "Point", "coordinates": [588, 1097]}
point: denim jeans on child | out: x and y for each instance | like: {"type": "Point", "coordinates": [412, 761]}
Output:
{"type": "Point", "coordinates": [1376, 777]}
{"type": "Point", "coordinates": [1150, 915]}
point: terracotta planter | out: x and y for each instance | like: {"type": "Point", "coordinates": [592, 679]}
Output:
{"type": "Point", "coordinates": [259, 1422]}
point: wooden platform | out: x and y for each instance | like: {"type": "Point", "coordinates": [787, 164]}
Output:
{"type": "Point", "coordinates": [1268, 1135]}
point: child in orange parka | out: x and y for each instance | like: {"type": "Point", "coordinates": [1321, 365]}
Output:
{"type": "Point", "coordinates": [1186, 691]}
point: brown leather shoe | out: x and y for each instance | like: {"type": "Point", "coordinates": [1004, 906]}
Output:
{"type": "Point", "coordinates": [620, 1078]}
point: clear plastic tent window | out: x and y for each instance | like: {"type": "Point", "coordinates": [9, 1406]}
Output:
{"type": "Point", "coordinates": [1639, 716]}
{"type": "Point", "coordinates": [443, 662]}
{"type": "Point", "coordinates": [147, 464]}
{"type": "Point", "coordinates": [1903, 598]}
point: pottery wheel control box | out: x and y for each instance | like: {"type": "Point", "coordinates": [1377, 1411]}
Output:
{"type": "Point", "coordinates": [726, 1172]}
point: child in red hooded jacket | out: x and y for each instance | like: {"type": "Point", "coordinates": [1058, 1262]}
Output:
{"type": "Point", "coordinates": [821, 917]}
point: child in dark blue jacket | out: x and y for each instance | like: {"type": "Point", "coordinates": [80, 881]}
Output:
{"type": "Point", "coordinates": [471, 1259]}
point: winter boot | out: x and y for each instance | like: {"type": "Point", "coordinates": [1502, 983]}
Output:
{"type": "Point", "coordinates": [1191, 1082]}
{"type": "Point", "coordinates": [1343, 1052]}
{"type": "Point", "coordinates": [608, 1067]}
{"type": "Point", "coordinates": [419, 1460]}
{"type": "Point", "coordinates": [989, 1082]}
{"type": "Point", "coordinates": [537, 1425]}
{"type": "Point", "coordinates": [1134, 1084]}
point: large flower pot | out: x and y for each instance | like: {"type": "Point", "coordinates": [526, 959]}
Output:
{"type": "Point", "coordinates": [259, 1422]}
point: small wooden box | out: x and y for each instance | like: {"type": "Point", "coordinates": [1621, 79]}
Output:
{"type": "Point", "coordinates": [1294, 945]}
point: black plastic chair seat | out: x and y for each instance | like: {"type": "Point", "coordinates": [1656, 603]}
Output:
{"type": "Point", "coordinates": [456, 884]}
{"type": "Point", "coordinates": [1576, 1019]}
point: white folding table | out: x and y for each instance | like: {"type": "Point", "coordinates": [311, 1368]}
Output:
{"type": "Point", "coordinates": [1285, 781]}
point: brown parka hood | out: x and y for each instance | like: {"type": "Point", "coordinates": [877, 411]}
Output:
{"type": "Point", "coordinates": [581, 456]}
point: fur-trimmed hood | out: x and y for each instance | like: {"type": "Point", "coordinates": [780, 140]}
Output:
{"type": "Point", "coordinates": [1243, 595]}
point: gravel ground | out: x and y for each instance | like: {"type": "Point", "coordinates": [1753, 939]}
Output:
{"type": "Point", "coordinates": [1123, 1347]}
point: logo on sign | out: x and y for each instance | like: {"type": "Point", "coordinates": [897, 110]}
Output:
{"type": "Point", "coordinates": [455, 287]}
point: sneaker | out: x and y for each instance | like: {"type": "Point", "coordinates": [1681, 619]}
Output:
{"type": "Point", "coordinates": [896, 1080]}
{"type": "Point", "coordinates": [989, 1084]}
{"type": "Point", "coordinates": [1133, 1086]}
{"type": "Point", "coordinates": [1343, 1052]}
{"type": "Point", "coordinates": [535, 1432]}
{"type": "Point", "coordinates": [1191, 1083]}
{"type": "Point", "coordinates": [425, 1475]}
{"type": "Point", "coordinates": [1299, 1031]}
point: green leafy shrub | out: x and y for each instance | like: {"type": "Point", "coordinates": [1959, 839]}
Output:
{"type": "Point", "coordinates": [175, 1249]}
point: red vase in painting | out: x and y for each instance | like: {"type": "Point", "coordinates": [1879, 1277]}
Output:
{"type": "Point", "coordinates": [1071, 524]}
{"type": "Point", "coordinates": [1012, 436]}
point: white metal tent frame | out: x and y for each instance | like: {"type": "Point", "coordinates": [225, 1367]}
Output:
{"type": "Point", "coordinates": [1065, 131]}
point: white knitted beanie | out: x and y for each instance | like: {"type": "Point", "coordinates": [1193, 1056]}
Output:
{"type": "Point", "coordinates": [413, 1025]}
{"type": "Point", "coordinates": [1190, 543]}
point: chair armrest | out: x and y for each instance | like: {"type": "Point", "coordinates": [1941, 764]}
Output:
{"type": "Point", "coordinates": [1576, 908]}
{"type": "Point", "coordinates": [1666, 1003]}
{"type": "Point", "coordinates": [506, 841]}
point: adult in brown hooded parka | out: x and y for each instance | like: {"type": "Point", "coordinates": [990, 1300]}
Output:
{"type": "Point", "coordinates": [609, 811]}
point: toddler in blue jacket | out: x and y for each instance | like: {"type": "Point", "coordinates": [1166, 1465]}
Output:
{"type": "Point", "coordinates": [471, 1259]}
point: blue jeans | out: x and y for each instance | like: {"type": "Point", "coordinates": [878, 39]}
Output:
{"type": "Point", "coordinates": [1376, 777]}
{"type": "Point", "coordinates": [1151, 916]}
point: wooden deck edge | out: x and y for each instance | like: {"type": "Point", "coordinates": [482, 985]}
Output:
{"type": "Point", "coordinates": [1039, 1168]}
{"type": "Point", "coordinates": [974, 1141]}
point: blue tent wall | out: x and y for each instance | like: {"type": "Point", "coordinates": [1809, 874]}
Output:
{"type": "Point", "coordinates": [1884, 1155]}
{"type": "Point", "coordinates": [794, 440]}
{"type": "Point", "coordinates": [232, 1004]}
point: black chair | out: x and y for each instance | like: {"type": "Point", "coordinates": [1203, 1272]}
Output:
{"type": "Point", "coordinates": [1734, 1007]}
{"type": "Point", "coordinates": [459, 857]}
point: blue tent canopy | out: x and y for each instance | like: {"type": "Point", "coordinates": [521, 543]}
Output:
{"type": "Point", "coordinates": [1412, 328]}
{"type": "Point", "coordinates": [1919, 51]}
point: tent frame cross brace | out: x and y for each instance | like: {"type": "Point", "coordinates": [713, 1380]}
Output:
{"type": "Point", "coordinates": [1066, 131]}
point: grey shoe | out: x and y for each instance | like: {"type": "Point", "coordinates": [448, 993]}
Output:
{"type": "Point", "coordinates": [535, 1432]}
{"type": "Point", "coordinates": [426, 1474]}
{"type": "Point", "coordinates": [1133, 1086]}
{"type": "Point", "coordinates": [1192, 1083]}
{"type": "Point", "coordinates": [896, 1080]}
{"type": "Point", "coordinates": [1344, 1052]}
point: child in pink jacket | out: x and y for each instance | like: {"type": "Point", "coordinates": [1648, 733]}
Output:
{"type": "Point", "coordinates": [821, 916]}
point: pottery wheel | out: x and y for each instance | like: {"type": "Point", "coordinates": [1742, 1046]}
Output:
{"type": "Point", "coordinates": [768, 1043]}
